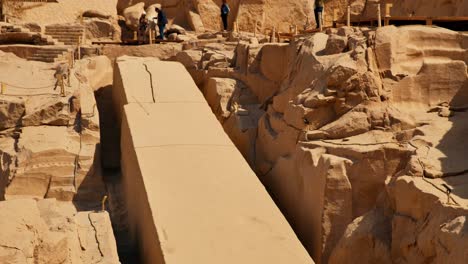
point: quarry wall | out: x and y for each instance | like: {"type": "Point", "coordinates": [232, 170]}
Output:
{"type": "Point", "coordinates": [62, 11]}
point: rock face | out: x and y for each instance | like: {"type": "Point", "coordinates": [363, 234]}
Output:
{"type": "Point", "coordinates": [203, 15]}
{"type": "Point", "coordinates": [50, 144]}
{"type": "Point", "coordinates": [11, 112]}
{"type": "Point", "coordinates": [356, 134]}
{"type": "Point", "coordinates": [50, 152]}
{"type": "Point", "coordinates": [265, 13]}
{"type": "Point", "coordinates": [47, 231]}
{"type": "Point", "coordinates": [61, 12]}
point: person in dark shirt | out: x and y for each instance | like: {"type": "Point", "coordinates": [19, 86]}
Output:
{"type": "Point", "coordinates": [162, 22]}
{"type": "Point", "coordinates": [224, 14]}
{"type": "Point", "coordinates": [142, 26]}
{"type": "Point", "coordinates": [318, 11]}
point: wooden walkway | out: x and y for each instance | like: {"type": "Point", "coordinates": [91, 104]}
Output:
{"type": "Point", "coordinates": [33, 1]}
{"type": "Point", "coordinates": [428, 20]}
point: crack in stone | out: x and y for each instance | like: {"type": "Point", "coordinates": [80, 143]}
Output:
{"type": "Point", "coordinates": [151, 81]}
{"type": "Point", "coordinates": [95, 234]}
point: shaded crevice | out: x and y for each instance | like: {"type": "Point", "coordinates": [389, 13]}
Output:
{"type": "Point", "coordinates": [112, 176]}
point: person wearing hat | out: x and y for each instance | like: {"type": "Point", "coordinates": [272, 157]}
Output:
{"type": "Point", "coordinates": [224, 14]}
{"type": "Point", "coordinates": [162, 21]}
{"type": "Point", "coordinates": [142, 26]}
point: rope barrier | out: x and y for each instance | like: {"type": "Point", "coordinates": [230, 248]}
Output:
{"type": "Point", "coordinates": [4, 84]}
{"type": "Point", "coordinates": [41, 94]}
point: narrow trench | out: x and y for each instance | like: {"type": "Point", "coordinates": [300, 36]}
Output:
{"type": "Point", "coordinates": [110, 161]}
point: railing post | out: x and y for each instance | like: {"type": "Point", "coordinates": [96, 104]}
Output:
{"type": "Point", "coordinates": [429, 21]}
{"type": "Point", "coordinates": [273, 35]}
{"type": "Point", "coordinates": [68, 77]}
{"type": "Point", "coordinates": [79, 48]}
{"type": "Point", "coordinates": [379, 16]}
{"type": "Point", "coordinates": [72, 59]}
{"type": "Point", "coordinates": [335, 17]}
{"type": "Point", "coordinates": [150, 36]}
{"type": "Point", "coordinates": [348, 16]}
{"type": "Point", "coordinates": [387, 14]}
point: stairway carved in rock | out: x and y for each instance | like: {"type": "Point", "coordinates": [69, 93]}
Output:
{"type": "Point", "coordinates": [68, 34]}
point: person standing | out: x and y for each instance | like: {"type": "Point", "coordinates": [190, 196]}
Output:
{"type": "Point", "coordinates": [224, 14]}
{"type": "Point", "coordinates": [162, 21]}
{"type": "Point", "coordinates": [318, 11]}
{"type": "Point", "coordinates": [142, 26]}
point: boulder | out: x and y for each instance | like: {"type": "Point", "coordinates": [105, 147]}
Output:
{"type": "Point", "coordinates": [368, 238]}
{"type": "Point", "coordinates": [172, 36]}
{"type": "Point", "coordinates": [132, 15]}
{"type": "Point", "coordinates": [218, 93]}
{"type": "Point", "coordinates": [46, 232]}
{"type": "Point", "coordinates": [97, 71]}
{"type": "Point", "coordinates": [189, 58]}
{"type": "Point", "coordinates": [47, 110]}
{"type": "Point", "coordinates": [151, 13]}
{"type": "Point", "coordinates": [238, 110]}
{"type": "Point", "coordinates": [96, 14]}
{"type": "Point", "coordinates": [195, 21]}
{"type": "Point", "coordinates": [8, 156]}
{"type": "Point", "coordinates": [335, 44]}
{"type": "Point", "coordinates": [421, 79]}
{"type": "Point", "coordinates": [274, 61]}
{"type": "Point", "coordinates": [208, 35]}
{"type": "Point", "coordinates": [97, 29]}
{"type": "Point", "coordinates": [11, 112]}
{"type": "Point", "coordinates": [33, 27]}
{"type": "Point", "coordinates": [176, 29]}
{"type": "Point", "coordinates": [183, 38]}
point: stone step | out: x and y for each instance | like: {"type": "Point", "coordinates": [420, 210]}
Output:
{"type": "Point", "coordinates": [54, 50]}
{"type": "Point", "coordinates": [65, 41]}
{"type": "Point", "coordinates": [65, 30]}
{"type": "Point", "coordinates": [66, 37]}
{"type": "Point", "coordinates": [63, 181]}
{"type": "Point", "coordinates": [49, 51]}
{"type": "Point", "coordinates": [71, 43]}
{"type": "Point", "coordinates": [33, 58]}
{"type": "Point", "coordinates": [41, 57]}
{"type": "Point", "coordinates": [48, 54]}
{"type": "Point", "coordinates": [65, 26]}
{"type": "Point", "coordinates": [64, 33]}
